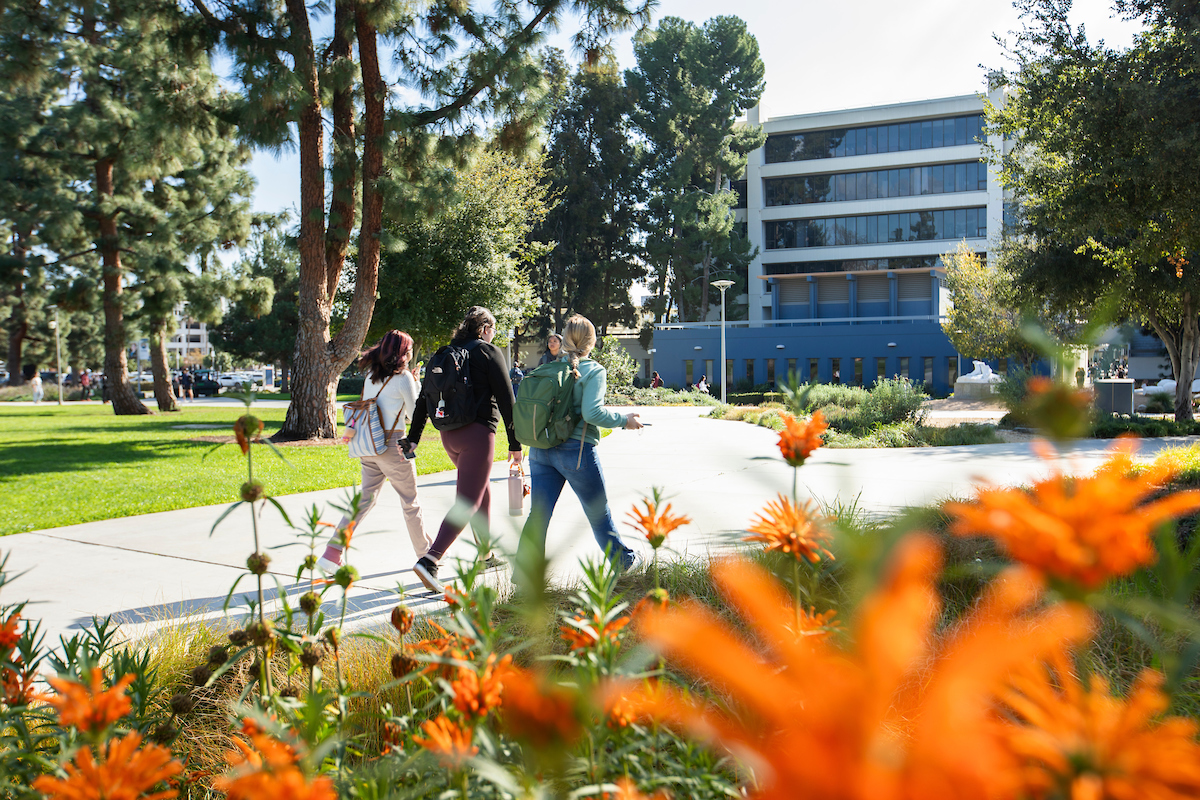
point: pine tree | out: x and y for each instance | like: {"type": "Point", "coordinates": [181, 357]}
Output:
{"type": "Point", "coordinates": [465, 65]}
{"type": "Point", "coordinates": [690, 86]}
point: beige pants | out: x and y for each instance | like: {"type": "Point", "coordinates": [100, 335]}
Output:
{"type": "Point", "coordinates": [402, 473]}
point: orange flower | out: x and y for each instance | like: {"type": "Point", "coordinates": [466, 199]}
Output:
{"type": "Point", "coordinates": [538, 713]}
{"type": "Point", "coordinates": [16, 681]}
{"type": "Point", "coordinates": [904, 715]}
{"type": "Point", "coordinates": [582, 634]}
{"type": "Point", "coordinates": [790, 528]}
{"type": "Point", "coordinates": [655, 598]}
{"type": "Point", "coordinates": [1084, 743]}
{"type": "Point", "coordinates": [124, 774]}
{"type": "Point", "coordinates": [798, 440]}
{"type": "Point", "coordinates": [655, 524]}
{"type": "Point", "coordinates": [89, 708]}
{"type": "Point", "coordinates": [628, 790]}
{"type": "Point", "coordinates": [1084, 530]}
{"type": "Point", "coordinates": [476, 694]}
{"type": "Point", "coordinates": [451, 743]}
{"type": "Point", "coordinates": [9, 635]}
{"type": "Point", "coordinates": [268, 769]}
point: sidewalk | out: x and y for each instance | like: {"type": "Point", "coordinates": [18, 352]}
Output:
{"type": "Point", "coordinates": [149, 569]}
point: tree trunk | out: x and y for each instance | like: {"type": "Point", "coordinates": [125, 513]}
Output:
{"type": "Point", "coordinates": [116, 366]}
{"type": "Point", "coordinates": [284, 382]}
{"type": "Point", "coordinates": [159, 367]}
{"type": "Point", "coordinates": [1183, 349]}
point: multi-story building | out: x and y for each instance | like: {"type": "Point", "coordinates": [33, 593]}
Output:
{"type": "Point", "coordinates": [190, 339]}
{"type": "Point", "coordinates": [850, 212]}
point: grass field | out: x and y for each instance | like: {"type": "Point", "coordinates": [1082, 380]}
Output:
{"type": "Point", "coordinates": [61, 466]}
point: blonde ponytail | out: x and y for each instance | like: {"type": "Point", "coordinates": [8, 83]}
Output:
{"type": "Point", "coordinates": [578, 339]}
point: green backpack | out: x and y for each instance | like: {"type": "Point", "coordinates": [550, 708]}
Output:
{"type": "Point", "coordinates": [543, 415]}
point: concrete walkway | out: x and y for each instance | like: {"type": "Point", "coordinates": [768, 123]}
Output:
{"type": "Point", "coordinates": [148, 570]}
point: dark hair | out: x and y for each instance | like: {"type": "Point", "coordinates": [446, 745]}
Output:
{"type": "Point", "coordinates": [472, 326]}
{"type": "Point", "coordinates": [386, 356]}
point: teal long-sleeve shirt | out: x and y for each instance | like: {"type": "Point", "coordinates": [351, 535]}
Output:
{"type": "Point", "coordinates": [588, 398]}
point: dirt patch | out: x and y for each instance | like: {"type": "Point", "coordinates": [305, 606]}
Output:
{"type": "Point", "coordinates": [297, 443]}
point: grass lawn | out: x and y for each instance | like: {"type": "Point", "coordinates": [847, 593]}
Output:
{"type": "Point", "coordinates": [61, 466]}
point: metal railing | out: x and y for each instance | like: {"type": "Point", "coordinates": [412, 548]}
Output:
{"type": "Point", "coordinates": [803, 323]}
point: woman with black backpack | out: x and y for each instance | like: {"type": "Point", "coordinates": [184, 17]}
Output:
{"type": "Point", "coordinates": [466, 392]}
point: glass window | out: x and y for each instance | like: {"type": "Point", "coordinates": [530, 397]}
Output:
{"type": "Point", "coordinates": [835, 370]}
{"type": "Point", "coordinates": [904, 367]}
{"type": "Point", "coordinates": [906, 188]}
{"type": "Point", "coordinates": [860, 142]}
{"type": "Point", "coordinates": [709, 375]}
{"type": "Point", "coordinates": [687, 372]}
{"type": "Point", "coordinates": [938, 225]}
{"type": "Point", "coordinates": [880, 368]}
{"type": "Point", "coordinates": [729, 372]}
{"type": "Point", "coordinates": [873, 184]}
{"type": "Point", "coordinates": [960, 130]}
{"type": "Point", "coordinates": [960, 223]}
{"type": "Point", "coordinates": [858, 372]}
{"type": "Point", "coordinates": [893, 183]}
{"type": "Point", "coordinates": [975, 129]}
{"type": "Point", "coordinates": [814, 374]}
{"type": "Point", "coordinates": [928, 371]}
{"type": "Point", "coordinates": [771, 371]}
{"type": "Point", "coordinates": [935, 133]}
{"type": "Point", "coordinates": [893, 133]}
{"type": "Point", "coordinates": [863, 235]}
{"type": "Point", "coordinates": [872, 141]}
{"type": "Point", "coordinates": [936, 184]}
{"type": "Point", "coordinates": [750, 370]}
{"type": "Point", "coordinates": [926, 135]}
{"type": "Point", "coordinates": [839, 188]}
{"type": "Point", "coordinates": [904, 136]}
{"type": "Point", "coordinates": [960, 178]}
{"type": "Point", "coordinates": [952, 369]}
{"type": "Point", "coordinates": [839, 143]}
{"type": "Point", "coordinates": [862, 185]}
{"type": "Point", "coordinates": [792, 376]}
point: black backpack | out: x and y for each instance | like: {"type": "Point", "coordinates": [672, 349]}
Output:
{"type": "Point", "coordinates": [449, 398]}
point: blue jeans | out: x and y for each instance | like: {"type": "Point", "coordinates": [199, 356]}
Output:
{"type": "Point", "coordinates": [549, 470]}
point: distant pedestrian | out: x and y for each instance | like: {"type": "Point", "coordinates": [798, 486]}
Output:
{"type": "Point", "coordinates": [515, 376]}
{"type": "Point", "coordinates": [553, 349]}
{"type": "Point", "coordinates": [702, 384]}
{"type": "Point", "coordinates": [105, 392]}
{"type": "Point", "coordinates": [656, 381]}
{"type": "Point", "coordinates": [575, 461]}
{"type": "Point", "coordinates": [392, 385]}
{"type": "Point", "coordinates": [85, 385]}
{"type": "Point", "coordinates": [36, 384]}
{"type": "Point", "coordinates": [470, 439]}
{"type": "Point", "coordinates": [186, 380]}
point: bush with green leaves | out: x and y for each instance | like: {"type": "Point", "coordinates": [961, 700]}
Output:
{"type": "Point", "coordinates": [617, 362]}
{"type": "Point", "coordinates": [1012, 390]}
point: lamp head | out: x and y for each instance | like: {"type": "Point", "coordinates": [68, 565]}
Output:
{"type": "Point", "coordinates": [722, 285]}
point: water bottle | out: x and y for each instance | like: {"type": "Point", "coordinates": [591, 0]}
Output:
{"type": "Point", "coordinates": [516, 491]}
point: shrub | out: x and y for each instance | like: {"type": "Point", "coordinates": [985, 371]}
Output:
{"type": "Point", "coordinates": [894, 400]}
{"type": "Point", "coordinates": [812, 396]}
{"type": "Point", "coordinates": [962, 434]}
{"type": "Point", "coordinates": [616, 361]}
{"type": "Point", "coordinates": [1012, 390]}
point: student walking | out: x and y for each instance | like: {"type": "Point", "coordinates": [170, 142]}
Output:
{"type": "Point", "coordinates": [553, 349]}
{"type": "Point", "coordinates": [656, 381]}
{"type": "Point", "coordinates": [35, 383]}
{"type": "Point", "coordinates": [574, 461]}
{"type": "Point", "coordinates": [467, 418]}
{"type": "Point", "coordinates": [392, 385]}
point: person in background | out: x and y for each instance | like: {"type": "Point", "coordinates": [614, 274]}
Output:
{"type": "Point", "coordinates": [702, 384]}
{"type": "Point", "coordinates": [391, 383]}
{"type": "Point", "coordinates": [185, 384]}
{"type": "Point", "coordinates": [553, 349]}
{"type": "Point", "coordinates": [575, 461]}
{"type": "Point", "coordinates": [472, 447]}
{"type": "Point", "coordinates": [656, 381]}
{"type": "Point", "coordinates": [85, 385]}
{"type": "Point", "coordinates": [515, 375]}
{"type": "Point", "coordinates": [35, 383]}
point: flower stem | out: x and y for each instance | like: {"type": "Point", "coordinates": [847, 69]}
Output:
{"type": "Point", "coordinates": [796, 591]}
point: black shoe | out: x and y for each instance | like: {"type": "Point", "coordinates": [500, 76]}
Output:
{"type": "Point", "coordinates": [426, 570]}
{"type": "Point", "coordinates": [491, 562]}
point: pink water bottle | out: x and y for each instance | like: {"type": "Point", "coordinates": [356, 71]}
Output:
{"type": "Point", "coordinates": [516, 491]}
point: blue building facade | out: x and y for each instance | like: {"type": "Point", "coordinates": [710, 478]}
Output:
{"type": "Point", "coordinates": [850, 212]}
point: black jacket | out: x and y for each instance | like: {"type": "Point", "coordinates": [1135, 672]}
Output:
{"type": "Point", "coordinates": [493, 394]}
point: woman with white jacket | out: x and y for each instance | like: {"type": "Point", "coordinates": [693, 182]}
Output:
{"type": "Point", "coordinates": [394, 388]}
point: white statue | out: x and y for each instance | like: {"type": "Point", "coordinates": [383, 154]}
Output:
{"type": "Point", "coordinates": [981, 374]}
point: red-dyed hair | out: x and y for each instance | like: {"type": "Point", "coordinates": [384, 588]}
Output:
{"type": "Point", "coordinates": [386, 356]}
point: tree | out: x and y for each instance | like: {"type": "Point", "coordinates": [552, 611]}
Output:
{"type": "Point", "coordinates": [262, 324]}
{"type": "Point", "coordinates": [690, 86]}
{"type": "Point", "coordinates": [596, 182]}
{"type": "Point", "coordinates": [462, 65]}
{"type": "Point", "coordinates": [1100, 137]}
{"type": "Point", "coordinates": [984, 321]}
{"type": "Point", "coordinates": [150, 175]}
{"type": "Point", "coordinates": [473, 252]}
{"type": "Point", "coordinates": [616, 361]}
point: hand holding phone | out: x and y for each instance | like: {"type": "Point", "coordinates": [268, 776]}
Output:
{"type": "Point", "coordinates": [406, 449]}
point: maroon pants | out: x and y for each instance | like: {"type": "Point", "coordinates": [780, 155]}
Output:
{"type": "Point", "coordinates": [472, 449]}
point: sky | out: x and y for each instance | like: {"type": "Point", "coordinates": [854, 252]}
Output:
{"type": "Point", "coordinates": [827, 56]}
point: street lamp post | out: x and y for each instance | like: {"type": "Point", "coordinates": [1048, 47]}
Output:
{"type": "Point", "coordinates": [57, 354]}
{"type": "Point", "coordinates": [723, 286]}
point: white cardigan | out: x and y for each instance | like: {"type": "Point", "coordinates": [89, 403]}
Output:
{"type": "Point", "coordinates": [399, 396]}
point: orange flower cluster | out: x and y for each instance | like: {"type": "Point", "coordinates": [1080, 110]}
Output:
{"type": "Point", "coordinates": [539, 713]}
{"type": "Point", "coordinates": [265, 767]}
{"type": "Point", "coordinates": [583, 633]}
{"type": "Point", "coordinates": [656, 523]}
{"type": "Point", "coordinates": [126, 772]}
{"type": "Point", "coordinates": [1085, 743]}
{"type": "Point", "coordinates": [89, 708]}
{"type": "Point", "coordinates": [655, 598]}
{"type": "Point", "coordinates": [476, 694]}
{"type": "Point", "coordinates": [9, 635]}
{"type": "Point", "coordinates": [906, 714]}
{"type": "Point", "coordinates": [1084, 530]}
{"type": "Point", "coordinates": [798, 440]}
{"type": "Point", "coordinates": [447, 740]}
{"type": "Point", "coordinates": [792, 529]}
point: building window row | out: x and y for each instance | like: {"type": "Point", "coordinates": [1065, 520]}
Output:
{"type": "Point", "coordinates": [838, 142]}
{"type": "Point", "coordinates": [967, 176]}
{"type": "Point", "coordinates": [918, 369]}
{"type": "Point", "coordinates": [951, 223]}
{"type": "Point", "coordinates": [854, 265]}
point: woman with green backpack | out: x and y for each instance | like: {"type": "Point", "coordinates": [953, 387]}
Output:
{"type": "Point", "coordinates": [574, 461]}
